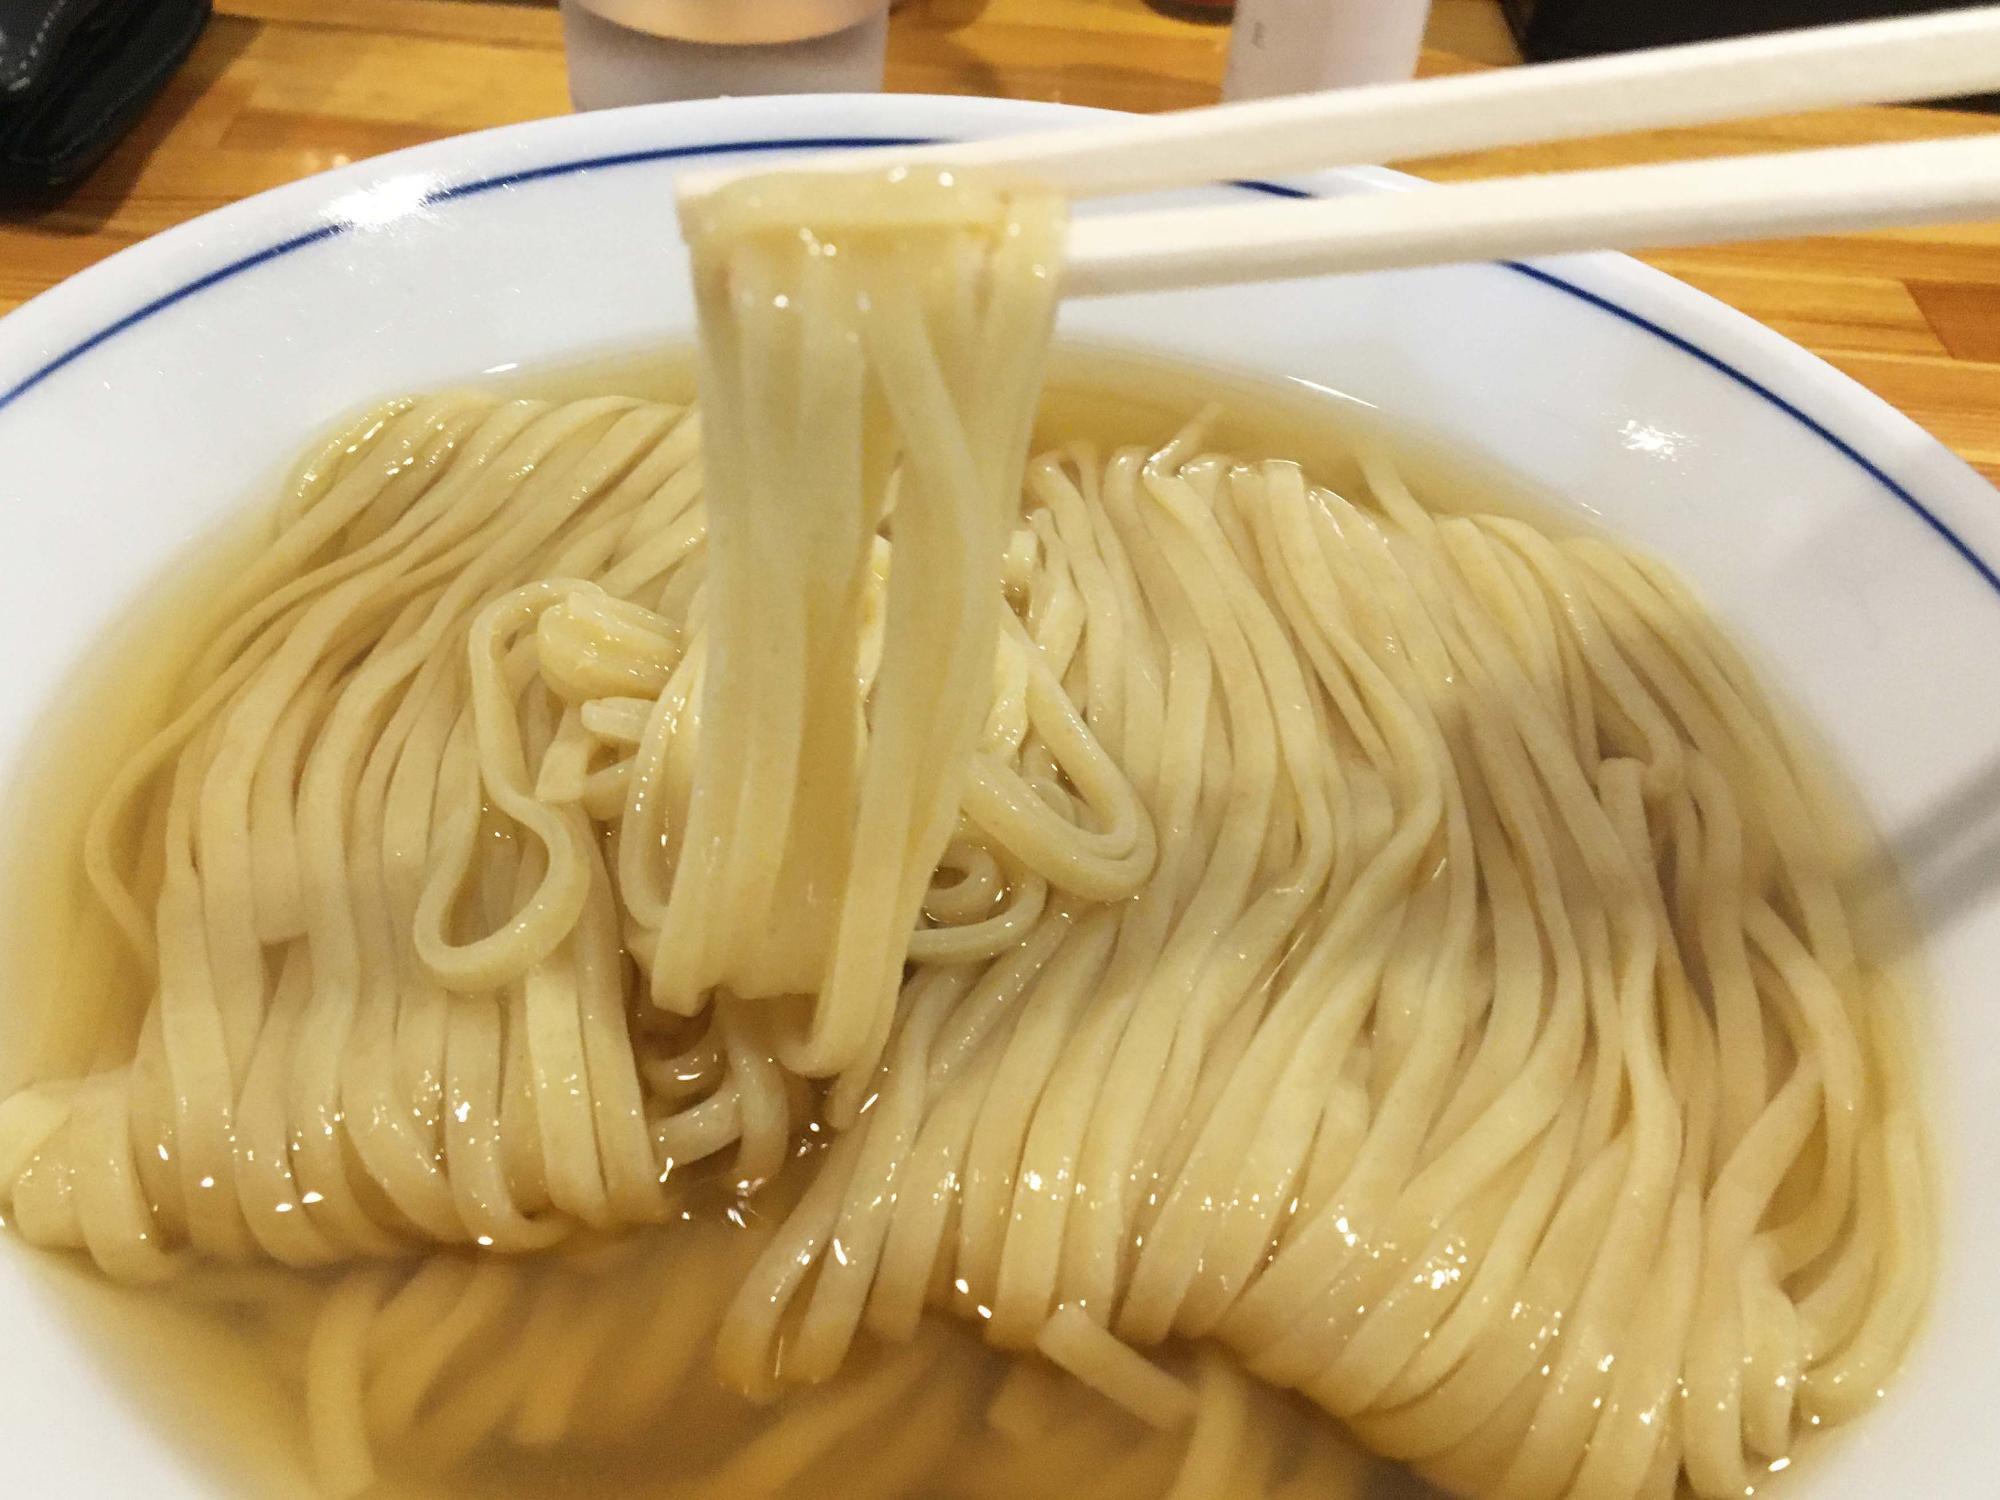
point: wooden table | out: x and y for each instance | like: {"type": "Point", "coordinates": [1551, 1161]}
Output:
{"type": "Point", "coordinates": [281, 88]}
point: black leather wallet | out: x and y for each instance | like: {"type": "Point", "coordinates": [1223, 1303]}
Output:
{"type": "Point", "coordinates": [74, 74]}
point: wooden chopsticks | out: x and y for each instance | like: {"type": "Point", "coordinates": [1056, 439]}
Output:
{"type": "Point", "coordinates": [1928, 56]}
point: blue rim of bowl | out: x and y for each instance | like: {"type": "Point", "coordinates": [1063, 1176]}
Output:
{"type": "Point", "coordinates": [334, 229]}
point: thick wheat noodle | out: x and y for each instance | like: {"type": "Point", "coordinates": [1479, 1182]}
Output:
{"type": "Point", "coordinates": [1153, 902]}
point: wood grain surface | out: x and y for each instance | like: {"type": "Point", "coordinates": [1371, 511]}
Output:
{"type": "Point", "coordinates": [278, 89]}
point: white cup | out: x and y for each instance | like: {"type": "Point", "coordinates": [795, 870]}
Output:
{"type": "Point", "coordinates": [645, 51]}
{"type": "Point", "coordinates": [1297, 46]}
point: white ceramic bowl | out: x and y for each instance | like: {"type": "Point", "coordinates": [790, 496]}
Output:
{"type": "Point", "coordinates": [142, 400]}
